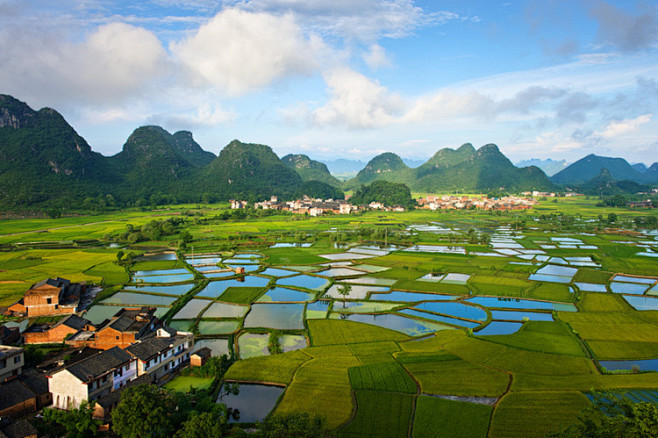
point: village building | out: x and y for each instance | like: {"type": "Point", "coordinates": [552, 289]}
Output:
{"type": "Point", "coordinates": [9, 335]}
{"type": "Point", "coordinates": [162, 353]}
{"type": "Point", "coordinates": [16, 400]}
{"type": "Point", "coordinates": [12, 360]}
{"type": "Point", "coordinates": [200, 357]}
{"type": "Point", "coordinates": [58, 332]}
{"type": "Point", "coordinates": [56, 296]}
{"type": "Point", "coordinates": [125, 328]}
{"type": "Point", "coordinates": [91, 378]}
{"type": "Point", "coordinates": [18, 429]}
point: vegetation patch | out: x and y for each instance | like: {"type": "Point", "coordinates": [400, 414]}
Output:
{"type": "Point", "coordinates": [380, 414]}
{"type": "Point", "coordinates": [279, 368]}
{"type": "Point", "coordinates": [384, 376]}
{"type": "Point", "coordinates": [331, 332]}
{"type": "Point", "coordinates": [241, 295]}
{"type": "Point", "coordinates": [542, 336]}
{"type": "Point", "coordinates": [450, 419]}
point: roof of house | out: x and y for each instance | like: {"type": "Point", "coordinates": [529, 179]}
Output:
{"type": "Point", "coordinates": [97, 365]}
{"type": "Point", "coordinates": [70, 355]}
{"type": "Point", "coordinates": [203, 352]}
{"type": "Point", "coordinates": [73, 321]}
{"type": "Point", "coordinates": [13, 393]}
{"type": "Point", "coordinates": [35, 381]}
{"type": "Point", "coordinates": [18, 429]}
{"type": "Point", "coordinates": [130, 320]}
{"type": "Point", "coordinates": [149, 348]}
{"type": "Point", "coordinates": [6, 351]}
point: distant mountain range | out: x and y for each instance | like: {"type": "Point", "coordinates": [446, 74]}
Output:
{"type": "Point", "coordinates": [549, 166]}
{"type": "Point", "coordinates": [45, 163]}
{"type": "Point", "coordinates": [591, 166]}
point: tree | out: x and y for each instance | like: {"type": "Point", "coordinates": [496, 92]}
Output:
{"type": "Point", "coordinates": [119, 255]}
{"type": "Point", "coordinates": [613, 416]}
{"type": "Point", "coordinates": [205, 425]}
{"type": "Point", "coordinates": [293, 426]}
{"type": "Point", "coordinates": [344, 289]}
{"type": "Point", "coordinates": [144, 411]}
{"type": "Point", "coordinates": [79, 423]}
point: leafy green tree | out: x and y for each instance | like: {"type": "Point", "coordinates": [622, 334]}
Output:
{"type": "Point", "coordinates": [344, 290]}
{"type": "Point", "coordinates": [79, 423]}
{"type": "Point", "coordinates": [144, 411]}
{"type": "Point", "coordinates": [274, 344]}
{"type": "Point", "coordinates": [612, 416]}
{"type": "Point", "coordinates": [205, 425]}
{"type": "Point", "coordinates": [293, 426]}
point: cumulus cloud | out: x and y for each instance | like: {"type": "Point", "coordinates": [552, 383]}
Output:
{"type": "Point", "coordinates": [624, 30]}
{"type": "Point", "coordinates": [376, 57]}
{"type": "Point", "coordinates": [115, 61]}
{"type": "Point", "coordinates": [357, 101]}
{"type": "Point", "coordinates": [619, 128]}
{"type": "Point", "coordinates": [238, 51]}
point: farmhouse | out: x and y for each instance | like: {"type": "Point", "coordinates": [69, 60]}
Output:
{"type": "Point", "coordinates": [162, 353]}
{"type": "Point", "coordinates": [126, 327]}
{"type": "Point", "coordinates": [12, 360]}
{"type": "Point", "coordinates": [56, 296]}
{"type": "Point", "coordinates": [50, 334]}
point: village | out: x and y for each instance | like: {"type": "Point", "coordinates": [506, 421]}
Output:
{"type": "Point", "coordinates": [98, 361]}
{"type": "Point", "coordinates": [319, 207]}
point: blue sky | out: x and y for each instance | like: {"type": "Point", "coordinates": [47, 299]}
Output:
{"type": "Point", "coordinates": [345, 78]}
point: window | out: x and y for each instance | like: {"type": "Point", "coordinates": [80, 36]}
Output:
{"type": "Point", "coordinates": [49, 300]}
{"type": "Point", "coordinates": [17, 359]}
{"type": "Point", "coordinates": [117, 338]}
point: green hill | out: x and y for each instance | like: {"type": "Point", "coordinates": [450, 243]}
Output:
{"type": "Point", "coordinates": [388, 193]}
{"type": "Point", "coordinates": [310, 170]}
{"type": "Point", "coordinates": [605, 185]}
{"type": "Point", "coordinates": [590, 166]}
{"type": "Point", "coordinates": [463, 169]}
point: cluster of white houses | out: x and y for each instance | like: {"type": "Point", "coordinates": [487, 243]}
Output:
{"type": "Point", "coordinates": [479, 203]}
{"type": "Point", "coordinates": [131, 347]}
{"type": "Point", "coordinates": [313, 207]}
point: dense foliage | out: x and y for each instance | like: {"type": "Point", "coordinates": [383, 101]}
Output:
{"type": "Point", "coordinates": [389, 194]}
{"type": "Point", "coordinates": [310, 170]}
{"type": "Point", "coordinates": [78, 422]}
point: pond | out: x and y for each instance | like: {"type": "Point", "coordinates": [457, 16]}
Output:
{"type": "Point", "coordinates": [215, 288]}
{"type": "Point", "coordinates": [436, 249]}
{"type": "Point", "coordinates": [641, 280]}
{"type": "Point", "coordinates": [402, 324]}
{"type": "Point", "coordinates": [254, 402]}
{"type": "Point", "coordinates": [500, 328]}
{"type": "Point", "coordinates": [160, 272]}
{"type": "Point", "coordinates": [285, 294]}
{"type": "Point", "coordinates": [248, 255]}
{"type": "Point", "coordinates": [455, 278]}
{"type": "Point", "coordinates": [253, 345]}
{"type": "Point", "coordinates": [358, 292]}
{"type": "Point", "coordinates": [550, 278]}
{"type": "Point", "coordinates": [247, 267]}
{"type": "Point", "coordinates": [138, 299]}
{"type": "Point", "coordinates": [340, 272]}
{"type": "Point", "coordinates": [222, 274]}
{"type": "Point", "coordinates": [508, 315]}
{"type": "Point", "coordinates": [451, 308]}
{"type": "Point", "coordinates": [519, 303]}
{"type": "Point", "coordinates": [439, 318]}
{"type": "Point", "coordinates": [242, 261]}
{"type": "Point", "coordinates": [591, 287]}
{"type": "Point", "coordinates": [276, 316]}
{"type": "Point", "coordinates": [204, 269]}
{"type": "Point", "coordinates": [276, 272]}
{"type": "Point", "coordinates": [204, 261]}
{"type": "Point", "coordinates": [432, 277]}
{"type": "Point", "coordinates": [192, 309]}
{"type": "Point", "coordinates": [642, 303]}
{"type": "Point", "coordinates": [372, 268]}
{"type": "Point", "coordinates": [182, 325]}
{"type": "Point", "coordinates": [346, 256]}
{"type": "Point", "coordinates": [224, 310]}
{"type": "Point", "coordinates": [368, 251]}
{"type": "Point", "coordinates": [177, 289]}
{"type": "Point", "coordinates": [292, 342]}
{"type": "Point", "coordinates": [317, 310]}
{"type": "Point", "coordinates": [218, 327]}
{"type": "Point", "coordinates": [291, 245]}
{"type": "Point", "coordinates": [642, 364]}
{"type": "Point", "coordinates": [560, 271]}
{"type": "Point", "coordinates": [410, 297]}
{"type": "Point", "coordinates": [363, 306]}
{"type": "Point", "coordinates": [217, 347]}
{"type": "Point", "coordinates": [176, 278]}
{"type": "Point", "coordinates": [628, 288]}
{"type": "Point", "coordinates": [304, 281]}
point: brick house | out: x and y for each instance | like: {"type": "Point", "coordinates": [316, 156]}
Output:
{"type": "Point", "coordinates": [51, 334]}
{"type": "Point", "coordinates": [200, 357]}
{"type": "Point", "coordinates": [125, 328]}
{"type": "Point", "coordinates": [49, 297]}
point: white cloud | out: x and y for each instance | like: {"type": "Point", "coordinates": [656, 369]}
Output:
{"type": "Point", "coordinates": [239, 51]}
{"type": "Point", "coordinates": [114, 62]}
{"type": "Point", "coordinates": [376, 57]}
{"type": "Point", "coordinates": [617, 128]}
{"type": "Point", "coordinates": [357, 101]}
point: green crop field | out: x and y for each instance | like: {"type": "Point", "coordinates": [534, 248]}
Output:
{"type": "Point", "coordinates": [451, 419]}
{"type": "Point", "coordinates": [354, 365]}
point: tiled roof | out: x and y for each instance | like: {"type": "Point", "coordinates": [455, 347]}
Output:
{"type": "Point", "coordinates": [13, 393]}
{"type": "Point", "coordinates": [73, 321]}
{"type": "Point", "coordinates": [99, 364]}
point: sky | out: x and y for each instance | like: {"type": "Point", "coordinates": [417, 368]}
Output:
{"type": "Point", "coordinates": [351, 79]}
